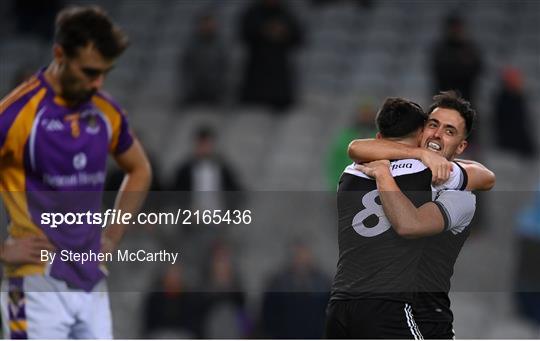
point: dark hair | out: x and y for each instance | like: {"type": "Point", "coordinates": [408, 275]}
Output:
{"type": "Point", "coordinates": [453, 100]}
{"type": "Point", "coordinates": [399, 117]}
{"type": "Point", "coordinates": [77, 26]}
{"type": "Point", "coordinates": [204, 132]}
{"type": "Point", "coordinates": [453, 19]}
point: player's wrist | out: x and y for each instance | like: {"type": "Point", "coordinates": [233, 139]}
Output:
{"type": "Point", "coordinates": [382, 173]}
{"type": "Point", "coordinates": [422, 154]}
{"type": "Point", "coordinates": [385, 182]}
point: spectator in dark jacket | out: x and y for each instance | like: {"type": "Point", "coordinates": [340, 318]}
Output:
{"type": "Point", "coordinates": [456, 64]}
{"type": "Point", "coordinates": [512, 121]}
{"type": "Point", "coordinates": [456, 61]}
{"type": "Point", "coordinates": [295, 299]}
{"type": "Point", "coordinates": [204, 64]}
{"type": "Point", "coordinates": [173, 310]}
{"type": "Point", "coordinates": [204, 174]}
{"type": "Point", "coordinates": [270, 34]}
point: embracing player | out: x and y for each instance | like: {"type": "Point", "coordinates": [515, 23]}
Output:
{"type": "Point", "coordinates": [377, 268]}
{"type": "Point", "coordinates": [449, 124]}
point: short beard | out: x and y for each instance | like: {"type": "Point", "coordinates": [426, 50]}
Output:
{"type": "Point", "coordinates": [67, 82]}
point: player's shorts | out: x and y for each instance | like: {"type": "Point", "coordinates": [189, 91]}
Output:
{"type": "Point", "coordinates": [41, 307]}
{"type": "Point", "coordinates": [370, 319]}
{"type": "Point", "coordinates": [437, 330]}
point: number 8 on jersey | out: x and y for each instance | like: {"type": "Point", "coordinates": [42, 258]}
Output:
{"type": "Point", "coordinates": [371, 208]}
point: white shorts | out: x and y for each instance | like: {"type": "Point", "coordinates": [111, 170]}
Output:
{"type": "Point", "coordinates": [41, 307]}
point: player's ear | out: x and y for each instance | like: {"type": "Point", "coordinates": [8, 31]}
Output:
{"type": "Point", "coordinates": [59, 54]}
{"type": "Point", "coordinates": [461, 147]}
{"type": "Point", "coordinates": [419, 135]}
{"type": "Point", "coordinates": [378, 136]}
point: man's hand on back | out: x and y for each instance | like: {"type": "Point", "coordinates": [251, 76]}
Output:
{"type": "Point", "coordinates": [375, 169]}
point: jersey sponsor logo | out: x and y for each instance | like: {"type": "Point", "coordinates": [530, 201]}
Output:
{"type": "Point", "coordinates": [78, 179]}
{"type": "Point", "coordinates": [52, 125]}
{"type": "Point", "coordinates": [406, 166]}
{"type": "Point", "coordinates": [79, 161]}
{"type": "Point", "coordinates": [401, 165]}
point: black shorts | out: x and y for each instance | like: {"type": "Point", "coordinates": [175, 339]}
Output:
{"type": "Point", "coordinates": [436, 330]}
{"type": "Point", "coordinates": [370, 319]}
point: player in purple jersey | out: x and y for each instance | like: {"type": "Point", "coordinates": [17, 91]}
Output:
{"type": "Point", "coordinates": [56, 131]}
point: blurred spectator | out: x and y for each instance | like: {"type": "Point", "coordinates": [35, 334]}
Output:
{"type": "Point", "coordinates": [456, 61]}
{"type": "Point", "coordinates": [456, 65]}
{"type": "Point", "coordinates": [205, 182]}
{"type": "Point", "coordinates": [295, 300]}
{"type": "Point", "coordinates": [362, 127]}
{"type": "Point", "coordinates": [512, 121]}
{"type": "Point", "coordinates": [36, 17]}
{"type": "Point", "coordinates": [528, 268]}
{"type": "Point", "coordinates": [225, 315]}
{"type": "Point", "coordinates": [270, 33]}
{"type": "Point", "coordinates": [205, 173]}
{"type": "Point", "coordinates": [204, 64]}
{"type": "Point", "coordinates": [175, 311]}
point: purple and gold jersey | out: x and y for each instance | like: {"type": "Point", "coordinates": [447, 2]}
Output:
{"type": "Point", "coordinates": [53, 159]}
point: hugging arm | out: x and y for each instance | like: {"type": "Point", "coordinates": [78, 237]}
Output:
{"type": "Point", "coordinates": [479, 176]}
{"type": "Point", "coordinates": [453, 209]}
{"type": "Point", "coordinates": [367, 150]}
